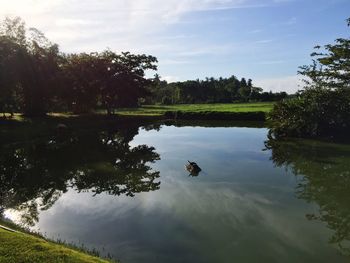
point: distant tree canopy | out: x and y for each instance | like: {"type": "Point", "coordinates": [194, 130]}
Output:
{"type": "Point", "coordinates": [210, 90]}
{"type": "Point", "coordinates": [323, 107]}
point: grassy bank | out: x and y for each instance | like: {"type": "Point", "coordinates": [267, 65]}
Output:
{"type": "Point", "coordinates": [23, 247]}
{"type": "Point", "coordinates": [212, 115]}
{"type": "Point", "coordinates": [236, 111]}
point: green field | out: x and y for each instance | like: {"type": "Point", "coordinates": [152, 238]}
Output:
{"type": "Point", "coordinates": [158, 110]}
{"type": "Point", "coordinates": [21, 247]}
{"type": "Point", "coordinates": [234, 111]}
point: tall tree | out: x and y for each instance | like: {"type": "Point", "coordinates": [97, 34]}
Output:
{"type": "Point", "coordinates": [36, 64]}
{"type": "Point", "coordinates": [323, 107]}
{"type": "Point", "coordinates": [39, 73]}
{"type": "Point", "coordinates": [126, 81]}
{"type": "Point", "coordinates": [9, 65]}
{"type": "Point", "coordinates": [83, 76]}
{"type": "Point", "coordinates": [12, 49]}
{"type": "Point", "coordinates": [330, 68]}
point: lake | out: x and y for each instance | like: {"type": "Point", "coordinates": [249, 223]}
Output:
{"type": "Point", "coordinates": [125, 192]}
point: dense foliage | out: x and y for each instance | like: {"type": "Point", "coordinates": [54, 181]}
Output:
{"type": "Point", "coordinates": [323, 107]}
{"type": "Point", "coordinates": [35, 77]}
{"type": "Point", "coordinates": [210, 90]}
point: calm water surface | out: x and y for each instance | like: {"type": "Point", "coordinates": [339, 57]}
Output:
{"type": "Point", "coordinates": [126, 192]}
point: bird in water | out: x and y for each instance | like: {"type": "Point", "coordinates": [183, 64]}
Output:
{"type": "Point", "coordinates": [193, 168]}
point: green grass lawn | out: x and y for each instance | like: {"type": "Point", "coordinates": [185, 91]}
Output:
{"type": "Point", "coordinates": [22, 247]}
{"type": "Point", "coordinates": [158, 110]}
{"type": "Point", "coordinates": [195, 111]}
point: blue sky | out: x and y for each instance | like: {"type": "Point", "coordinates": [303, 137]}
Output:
{"type": "Point", "coordinates": [264, 40]}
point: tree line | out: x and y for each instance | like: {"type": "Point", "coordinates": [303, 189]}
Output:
{"type": "Point", "coordinates": [210, 90]}
{"type": "Point", "coordinates": [36, 78]}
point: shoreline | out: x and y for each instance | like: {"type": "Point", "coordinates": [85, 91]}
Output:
{"type": "Point", "coordinates": [17, 244]}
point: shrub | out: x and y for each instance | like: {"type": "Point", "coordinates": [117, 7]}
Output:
{"type": "Point", "coordinates": [318, 112]}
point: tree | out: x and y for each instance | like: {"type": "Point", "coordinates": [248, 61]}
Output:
{"type": "Point", "coordinates": [36, 60]}
{"type": "Point", "coordinates": [107, 79]}
{"type": "Point", "coordinates": [125, 82]}
{"type": "Point", "coordinates": [82, 74]}
{"type": "Point", "coordinates": [256, 93]}
{"type": "Point", "coordinates": [330, 68]}
{"type": "Point", "coordinates": [243, 82]}
{"type": "Point", "coordinates": [12, 48]}
{"type": "Point", "coordinates": [9, 65]}
{"type": "Point", "coordinates": [244, 92]}
{"type": "Point", "coordinates": [323, 107]}
{"type": "Point", "coordinates": [14, 29]}
{"type": "Point", "coordinates": [39, 73]}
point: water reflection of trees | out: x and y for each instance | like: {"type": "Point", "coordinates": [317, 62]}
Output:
{"type": "Point", "coordinates": [33, 175]}
{"type": "Point", "coordinates": [325, 180]}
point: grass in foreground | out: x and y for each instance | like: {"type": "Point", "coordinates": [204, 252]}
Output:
{"type": "Point", "coordinates": [158, 110]}
{"type": "Point", "coordinates": [21, 247]}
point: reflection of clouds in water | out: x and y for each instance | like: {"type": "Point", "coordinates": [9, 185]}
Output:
{"type": "Point", "coordinates": [245, 214]}
{"type": "Point", "coordinates": [239, 204]}
{"type": "Point", "coordinates": [206, 143]}
{"type": "Point", "coordinates": [13, 215]}
{"type": "Point", "coordinates": [85, 204]}
{"type": "Point", "coordinates": [210, 147]}
{"type": "Point", "coordinates": [221, 212]}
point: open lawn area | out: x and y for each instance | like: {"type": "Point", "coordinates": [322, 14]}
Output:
{"type": "Point", "coordinates": [233, 111]}
{"type": "Point", "coordinates": [197, 108]}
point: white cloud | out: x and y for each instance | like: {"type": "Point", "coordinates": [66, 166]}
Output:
{"type": "Point", "coordinates": [170, 79]}
{"type": "Point", "coordinates": [289, 84]}
{"type": "Point", "coordinates": [138, 26]}
{"type": "Point", "coordinates": [264, 41]}
{"type": "Point", "coordinates": [76, 22]}
{"type": "Point", "coordinates": [68, 22]}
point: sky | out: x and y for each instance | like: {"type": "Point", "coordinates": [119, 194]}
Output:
{"type": "Point", "coordinates": [265, 40]}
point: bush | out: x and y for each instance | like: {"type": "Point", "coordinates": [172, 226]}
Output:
{"type": "Point", "coordinates": [316, 113]}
